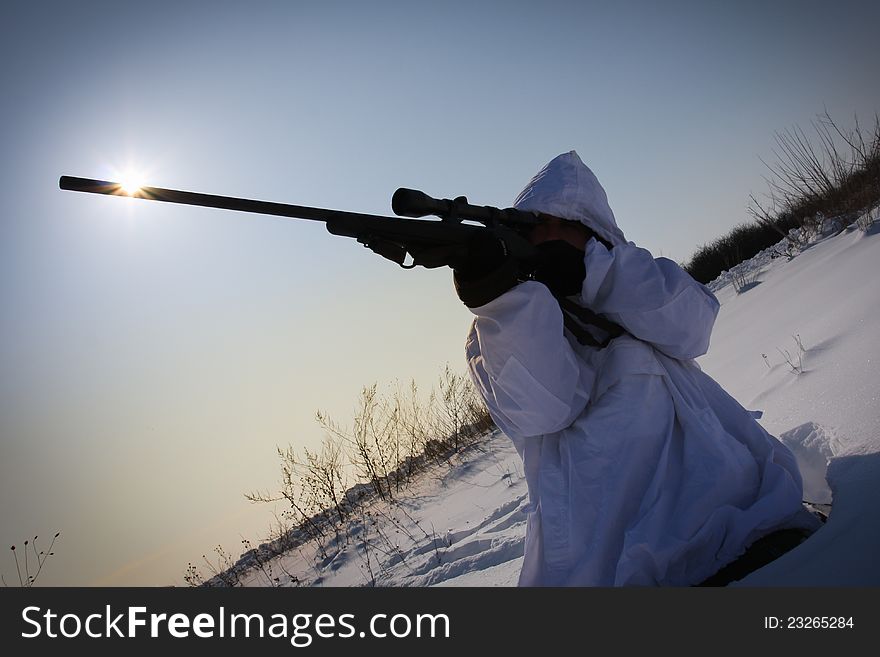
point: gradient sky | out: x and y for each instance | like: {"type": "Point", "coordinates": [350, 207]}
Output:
{"type": "Point", "coordinates": [152, 355]}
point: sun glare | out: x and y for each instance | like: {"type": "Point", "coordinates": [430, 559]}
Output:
{"type": "Point", "coordinates": [131, 182]}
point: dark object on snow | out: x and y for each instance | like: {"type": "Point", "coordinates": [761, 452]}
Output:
{"type": "Point", "coordinates": [821, 511]}
{"type": "Point", "coordinates": [758, 555]}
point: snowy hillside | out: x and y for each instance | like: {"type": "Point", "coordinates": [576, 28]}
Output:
{"type": "Point", "coordinates": [798, 342]}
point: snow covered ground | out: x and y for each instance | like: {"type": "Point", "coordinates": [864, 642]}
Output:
{"type": "Point", "coordinates": [800, 344]}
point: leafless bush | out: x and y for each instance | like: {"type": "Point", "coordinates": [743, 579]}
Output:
{"type": "Point", "coordinates": [741, 243]}
{"type": "Point", "coordinates": [23, 567]}
{"type": "Point", "coordinates": [740, 276]}
{"type": "Point", "coordinates": [786, 247]}
{"type": "Point", "coordinates": [370, 442]}
{"type": "Point", "coordinates": [223, 572]}
{"type": "Point", "coordinates": [790, 360]}
{"type": "Point", "coordinates": [266, 566]}
{"type": "Point", "coordinates": [795, 362]}
{"type": "Point", "coordinates": [743, 279]}
{"type": "Point", "coordinates": [818, 182]}
{"type": "Point", "coordinates": [323, 479]}
{"type": "Point", "coordinates": [461, 415]}
{"type": "Point", "coordinates": [393, 438]}
{"type": "Point", "coordinates": [301, 482]}
{"type": "Point", "coordinates": [867, 219]}
{"type": "Point", "coordinates": [413, 427]}
{"type": "Point", "coordinates": [832, 175]}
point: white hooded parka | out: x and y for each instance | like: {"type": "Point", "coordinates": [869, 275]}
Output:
{"type": "Point", "coordinates": [641, 469]}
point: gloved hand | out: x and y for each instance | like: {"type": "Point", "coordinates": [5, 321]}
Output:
{"type": "Point", "coordinates": [486, 271]}
{"type": "Point", "coordinates": [560, 266]}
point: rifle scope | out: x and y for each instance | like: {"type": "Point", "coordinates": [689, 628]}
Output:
{"type": "Point", "coordinates": [413, 203]}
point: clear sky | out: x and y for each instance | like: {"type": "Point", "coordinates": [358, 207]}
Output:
{"type": "Point", "coordinates": [152, 355]}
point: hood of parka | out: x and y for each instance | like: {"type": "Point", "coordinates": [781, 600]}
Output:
{"type": "Point", "coordinates": [566, 188]}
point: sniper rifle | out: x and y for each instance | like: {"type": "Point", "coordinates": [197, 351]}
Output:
{"type": "Point", "coordinates": [409, 242]}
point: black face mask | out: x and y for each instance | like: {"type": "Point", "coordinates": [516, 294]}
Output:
{"type": "Point", "coordinates": [560, 266]}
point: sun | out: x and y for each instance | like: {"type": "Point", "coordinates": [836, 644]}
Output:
{"type": "Point", "coordinates": [130, 182]}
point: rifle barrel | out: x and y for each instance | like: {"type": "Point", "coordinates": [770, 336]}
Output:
{"type": "Point", "coordinates": [91, 186]}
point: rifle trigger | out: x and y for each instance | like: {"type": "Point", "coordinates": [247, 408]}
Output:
{"type": "Point", "coordinates": [386, 249]}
